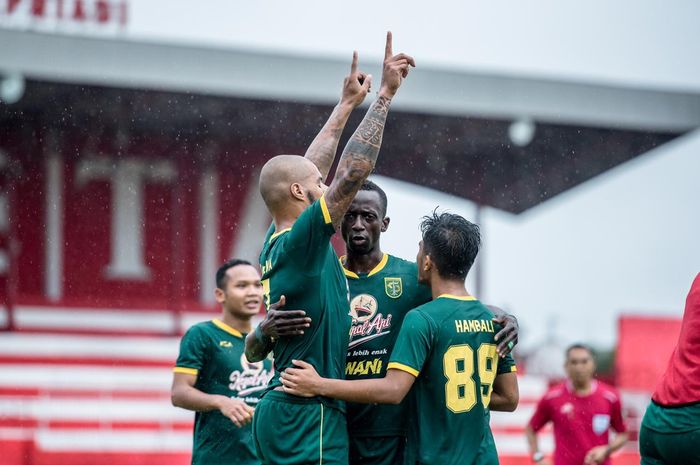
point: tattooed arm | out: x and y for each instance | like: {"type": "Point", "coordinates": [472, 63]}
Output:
{"type": "Point", "coordinates": [361, 152]}
{"type": "Point", "coordinates": [323, 148]}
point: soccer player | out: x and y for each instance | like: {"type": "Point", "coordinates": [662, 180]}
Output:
{"type": "Point", "coordinates": [298, 261]}
{"type": "Point", "coordinates": [582, 411]}
{"type": "Point", "coordinates": [445, 349]}
{"type": "Point", "coordinates": [383, 288]}
{"type": "Point", "coordinates": [213, 377]}
{"type": "Point", "coordinates": [670, 431]}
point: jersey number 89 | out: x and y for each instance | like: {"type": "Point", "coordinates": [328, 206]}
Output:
{"type": "Point", "coordinates": [458, 367]}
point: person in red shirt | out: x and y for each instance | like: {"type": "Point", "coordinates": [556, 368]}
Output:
{"type": "Point", "coordinates": [582, 411]}
{"type": "Point", "coordinates": [670, 431]}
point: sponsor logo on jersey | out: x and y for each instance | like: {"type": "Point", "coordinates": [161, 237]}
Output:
{"type": "Point", "coordinates": [254, 377]}
{"type": "Point", "coordinates": [367, 324]}
{"type": "Point", "coordinates": [393, 287]}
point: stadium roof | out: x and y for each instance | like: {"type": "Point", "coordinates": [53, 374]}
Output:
{"type": "Point", "coordinates": [450, 129]}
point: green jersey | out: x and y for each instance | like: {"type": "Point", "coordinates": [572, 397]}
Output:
{"type": "Point", "coordinates": [448, 344]}
{"type": "Point", "coordinates": [379, 301]}
{"type": "Point", "coordinates": [300, 264]}
{"type": "Point", "coordinates": [215, 353]}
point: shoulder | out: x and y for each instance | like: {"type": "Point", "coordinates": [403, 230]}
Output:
{"type": "Point", "coordinates": [554, 392]}
{"type": "Point", "coordinates": [608, 392]}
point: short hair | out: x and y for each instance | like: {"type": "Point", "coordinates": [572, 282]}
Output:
{"type": "Point", "coordinates": [452, 243]}
{"type": "Point", "coordinates": [372, 187]}
{"type": "Point", "coordinates": [221, 277]}
{"type": "Point", "coordinates": [579, 345]}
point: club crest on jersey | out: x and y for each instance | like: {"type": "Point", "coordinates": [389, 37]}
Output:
{"type": "Point", "coordinates": [225, 344]}
{"type": "Point", "coordinates": [393, 287]}
{"type": "Point", "coordinates": [601, 423]}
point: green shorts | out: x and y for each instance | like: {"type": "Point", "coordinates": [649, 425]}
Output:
{"type": "Point", "coordinates": [669, 448]}
{"type": "Point", "coordinates": [377, 450]}
{"type": "Point", "coordinates": [296, 431]}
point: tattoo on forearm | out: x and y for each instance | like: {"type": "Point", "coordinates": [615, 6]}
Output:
{"type": "Point", "coordinates": [358, 158]}
{"type": "Point", "coordinates": [324, 147]}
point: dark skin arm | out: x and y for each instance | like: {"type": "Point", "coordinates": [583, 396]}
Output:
{"type": "Point", "coordinates": [505, 395]}
{"type": "Point", "coordinates": [324, 147]}
{"type": "Point", "coordinates": [509, 331]}
{"type": "Point", "coordinates": [277, 323]}
{"type": "Point", "coordinates": [305, 382]}
{"type": "Point", "coordinates": [361, 152]}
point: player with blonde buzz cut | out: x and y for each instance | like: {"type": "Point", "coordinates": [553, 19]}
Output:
{"type": "Point", "coordinates": [299, 262]}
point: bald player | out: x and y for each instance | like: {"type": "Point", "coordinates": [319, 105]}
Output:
{"type": "Point", "coordinates": [298, 260]}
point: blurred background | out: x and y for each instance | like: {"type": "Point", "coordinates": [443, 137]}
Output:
{"type": "Point", "coordinates": [132, 133]}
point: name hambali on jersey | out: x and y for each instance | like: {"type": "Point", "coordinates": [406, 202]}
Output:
{"type": "Point", "coordinates": [367, 324]}
{"type": "Point", "coordinates": [253, 378]}
{"type": "Point", "coordinates": [474, 326]}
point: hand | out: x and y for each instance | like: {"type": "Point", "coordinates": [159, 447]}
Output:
{"type": "Point", "coordinates": [395, 69]}
{"type": "Point", "coordinates": [279, 323]}
{"type": "Point", "coordinates": [302, 381]}
{"type": "Point", "coordinates": [507, 337]}
{"type": "Point", "coordinates": [236, 410]}
{"type": "Point", "coordinates": [356, 85]}
{"type": "Point", "coordinates": [597, 455]}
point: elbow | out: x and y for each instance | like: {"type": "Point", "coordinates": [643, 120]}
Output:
{"type": "Point", "coordinates": [513, 402]}
{"type": "Point", "coordinates": [252, 357]}
{"type": "Point", "coordinates": [176, 398]}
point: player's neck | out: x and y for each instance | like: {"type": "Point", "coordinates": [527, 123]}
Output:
{"type": "Point", "coordinates": [240, 324]}
{"type": "Point", "coordinates": [363, 263]}
{"type": "Point", "coordinates": [583, 389]}
{"type": "Point", "coordinates": [440, 286]}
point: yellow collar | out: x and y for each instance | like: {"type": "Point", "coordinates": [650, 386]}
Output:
{"type": "Point", "coordinates": [380, 266]}
{"type": "Point", "coordinates": [279, 233]}
{"type": "Point", "coordinates": [456, 297]}
{"type": "Point", "coordinates": [223, 326]}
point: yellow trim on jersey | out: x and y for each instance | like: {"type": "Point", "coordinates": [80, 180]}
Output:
{"type": "Point", "coordinates": [457, 297]}
{"type": "Point", "coordinates": [402, 367]}
{"type": "Point", "coordinates": [324, 209]}
{"type": "Point", "coordinates": [221, 325]}
{"type": "Point", "coordinates": [278, 233]}
{"type": "Point", "coordinates": [187, 371]}
{"type": "Point", "coordinates": [380, 266]}
{"type": "Point", "coordinates": [513, 369]}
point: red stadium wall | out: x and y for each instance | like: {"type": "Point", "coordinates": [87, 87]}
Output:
{"type": "Point", "coordinates": [122, 221]}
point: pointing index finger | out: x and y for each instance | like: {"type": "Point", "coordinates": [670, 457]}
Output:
{"type": "Point", "coordinates": [388, 50]}
{"type": "Point", "coordinates": [353, 66]}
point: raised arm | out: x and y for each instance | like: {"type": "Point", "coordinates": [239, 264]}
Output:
{"type": "Point", "coordinates": [361, 152]}
{"type": "Point", "coordinates": [324, 147]}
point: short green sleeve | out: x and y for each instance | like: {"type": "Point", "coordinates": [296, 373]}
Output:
{"type": "Point", "coordinates": [413, 344]}
{"type": "Point", "coordinates": [193, 352]}
{"type": "Point", "coordinates": [506, 364]}
{"type": "Point", "coordinates": [310, 235]}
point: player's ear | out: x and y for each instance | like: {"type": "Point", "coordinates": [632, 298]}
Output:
{"type": "Point", "coordinates": [385, 224]}
{"type": "Point", "coordinates": [427, 263]}
{"type": "Point", "coordinates": [219, 295]}
{"type": "Point", "coordinates": [297, 191]}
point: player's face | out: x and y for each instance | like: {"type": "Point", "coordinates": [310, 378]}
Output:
{"type": "Point", "coordinates": [313, 185]}
{"type": "Point", "coordinates": [579, 366]}
{"type": "Point", "coordinates": [243, 294]}
{"type": "Point", "coordinates": [363, 223]}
